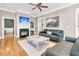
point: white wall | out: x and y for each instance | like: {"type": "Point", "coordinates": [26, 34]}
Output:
{"type": "Point", "coordinates": [4, 14]}
{"type": "Point", "coordinates": [67, 19]}
{"type": "Point", "coordinates": [77, 21]}
{"type": "Point", "coordinates": [15, 16]}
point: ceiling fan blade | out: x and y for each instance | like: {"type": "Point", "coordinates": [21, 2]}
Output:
{"type": "Point", "coordinates": [34, 8]}
{"type": "Point", "coordinates": [32, 4]}
{"type": "Point", "coordinates": [44, 6]}
{"type": "Point", "coordinates": [39, 4]}
{"type": "Point", "coordinates": [40, 9]}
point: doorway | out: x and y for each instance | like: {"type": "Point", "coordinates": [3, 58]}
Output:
{"type": "Point", "coordinates": [8, 27]}
{"type": "Point", "coordinates": [40, 24]}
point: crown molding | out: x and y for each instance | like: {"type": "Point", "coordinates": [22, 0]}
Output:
{"type": "Point", "coordinates": [15, 11]}
{"type": "Point", "coordinates": [25, 12]}
{"type": "Point", "coordinates": [56, 9]}
{"type": "Point", "coordinates": [8, 10]}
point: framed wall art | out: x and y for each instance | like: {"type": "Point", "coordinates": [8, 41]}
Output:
{"type": "Point", "coordinates": [52, 22]}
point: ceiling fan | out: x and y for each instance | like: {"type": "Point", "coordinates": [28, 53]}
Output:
{"type": "Point", "coordinates": [38, 5]}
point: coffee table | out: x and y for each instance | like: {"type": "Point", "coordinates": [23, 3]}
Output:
{"type": "Point", "coordinates": [37, 40]}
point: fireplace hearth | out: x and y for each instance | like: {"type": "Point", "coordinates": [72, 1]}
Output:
{"type": "Point", "coordinates": [24, 33]}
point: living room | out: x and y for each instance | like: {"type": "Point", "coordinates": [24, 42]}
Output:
{"type": "Point", "coordinates": [41, 32]}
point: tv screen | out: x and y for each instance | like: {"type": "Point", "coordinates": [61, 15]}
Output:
{"type": "Point", "coordinates": [23, 19]}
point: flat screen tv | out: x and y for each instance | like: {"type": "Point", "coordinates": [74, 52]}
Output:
{"type": "Point", "coordinates": [23, 19]}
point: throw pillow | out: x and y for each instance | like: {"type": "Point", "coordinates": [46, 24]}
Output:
{"type": "Point", "coordinates": [49, 32]}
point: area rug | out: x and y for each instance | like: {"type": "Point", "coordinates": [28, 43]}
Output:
{"type": "Point", "coordinates": [31, 50]}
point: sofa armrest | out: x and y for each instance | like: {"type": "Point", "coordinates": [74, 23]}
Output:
{"type": "Point", "coordinates": [70, 39]}
{"type": "Point", "coordinates": [42, 32]}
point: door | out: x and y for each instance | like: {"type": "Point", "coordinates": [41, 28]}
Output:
{"type": "Point", "coordinates": [8, 27]}
{"type": "Point", "coordinates": [40, 24]}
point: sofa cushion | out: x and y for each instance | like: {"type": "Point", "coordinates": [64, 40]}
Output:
{"type": "Point", "coordinates": [61, 49]}
{"type": "Point", "coordinates": [55, 34]}
{"type": "Point", "coordinates": [43, 34]}
{"type": "Point", "coordinates": [70, 39]}
{"type": "Point", "coordinates": [75, 49]}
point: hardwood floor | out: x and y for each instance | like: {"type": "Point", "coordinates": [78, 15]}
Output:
{"type": "Point", "coordinates": [10, 47]}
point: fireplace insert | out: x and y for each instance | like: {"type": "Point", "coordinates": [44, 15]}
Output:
{"type": "Point", "coordinates": [24, 33]}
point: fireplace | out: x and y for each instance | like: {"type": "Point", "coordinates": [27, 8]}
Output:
{"type": "Point", "coordinates": [24, 33]}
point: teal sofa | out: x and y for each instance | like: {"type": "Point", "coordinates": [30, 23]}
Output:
{"type": "Point", "coordinates": [64, 48]}
{"type": "Point", "coordinates": [53, 34]}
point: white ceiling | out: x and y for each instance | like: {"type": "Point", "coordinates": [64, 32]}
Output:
{"type": "Point", "coordinates": [28, 8]}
